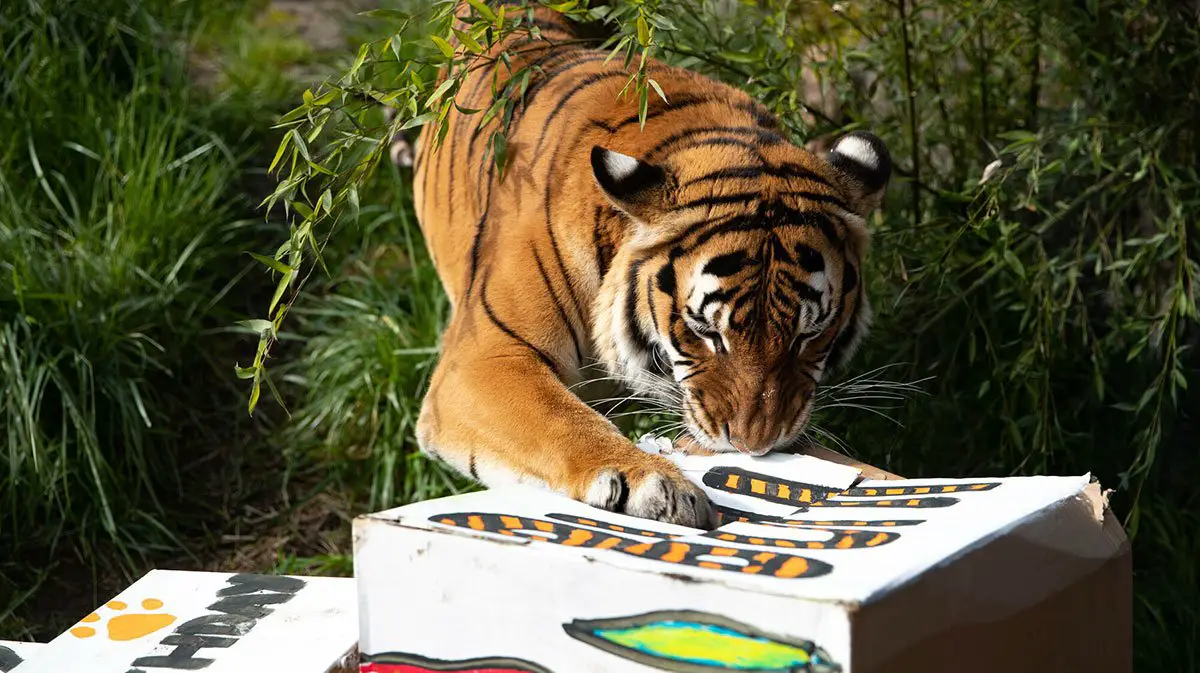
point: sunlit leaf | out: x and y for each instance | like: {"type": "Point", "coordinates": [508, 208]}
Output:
{"type": "Point", "coordinates": [438, 92]}
{"type": "Point", "coordinates": [419, 120]}
{"type": "Point", "coordinates": [484, 11]}
{"type": "Point", "coordinates": [658, 89]}
{"type": "Point", "coordinates": [271, 262]}
{"type": "Point", "coordinates": [443, 45]}
{"type": "Point", "coordinates": [468, 41]}
{"type": "Point", "coordinates": [283, 145]}
{"type": "Point", "coordinates": [363, 52]}
{"type": "Point", "coordinates": [258, 326]}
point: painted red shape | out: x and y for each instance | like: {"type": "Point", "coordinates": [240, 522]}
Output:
{"type": "Point", "coordinates": [409, 668]}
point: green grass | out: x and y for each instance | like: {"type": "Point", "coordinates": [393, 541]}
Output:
{"type": "Point", "coordinates": [1050, 313]}
{"type": "Point", "coordinates": [123, 221]}
{"type": "Point", "coordinates": [371, 338]}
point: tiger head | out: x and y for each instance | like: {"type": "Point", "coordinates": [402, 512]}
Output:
{"type": "Point", "coordinates": [738, 286]}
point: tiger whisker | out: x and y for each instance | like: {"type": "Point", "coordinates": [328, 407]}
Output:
{"type": "Point", "coordinates": [822, 432]}
{"type": "Point", "coordinates": [880, 387]}
{"type": "Point", "coordinates": [864, 408]}
{"type": "Point", "coordinates": [852, 398]}
{"type": "Point", "coordinates": [671, 394]}
{"type": "Point", "coordinates": [662, 411]}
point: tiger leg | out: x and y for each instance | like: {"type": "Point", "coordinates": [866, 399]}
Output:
{"type": "Point", "coordinates": [503, 417]}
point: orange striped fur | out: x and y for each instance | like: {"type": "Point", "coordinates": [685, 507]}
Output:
{"type": "Point", "coordinates": [705, 260]}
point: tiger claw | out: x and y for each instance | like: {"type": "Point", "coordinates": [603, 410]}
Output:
{"type": "Point", "coordinates": [657, 495]}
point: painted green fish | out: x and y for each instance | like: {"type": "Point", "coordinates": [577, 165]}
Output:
{"type": "Point", "coordinates": [688, 641]}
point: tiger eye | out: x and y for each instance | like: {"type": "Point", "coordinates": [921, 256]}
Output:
{"type": "Point", "coordinates": [809, 258]}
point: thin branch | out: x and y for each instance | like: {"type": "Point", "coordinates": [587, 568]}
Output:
{"type": "Point", "coordinates": [913, 134]}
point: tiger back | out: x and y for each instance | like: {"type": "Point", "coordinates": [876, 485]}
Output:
{"type": "Point", "coordinates": [704, 261]}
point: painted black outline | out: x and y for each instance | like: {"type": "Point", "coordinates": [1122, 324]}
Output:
{"type": "Point", "coordinates": [409, 659]}
{"type": "Point", "coordinates": [584, 630]}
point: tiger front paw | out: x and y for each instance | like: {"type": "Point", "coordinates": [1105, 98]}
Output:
{"type": "Point", "coordinates": [660, 493]}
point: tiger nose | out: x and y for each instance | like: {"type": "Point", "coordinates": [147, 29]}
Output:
{"type": "Point", "coordinates": [749, 449]}
{"type": "Point", "coordinates": [753, 439]}
{"type": "Point", "coordinates": [754, 430]}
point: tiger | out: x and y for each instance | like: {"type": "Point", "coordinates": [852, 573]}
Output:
{"type": "Point", "coordinates": [702, 259]}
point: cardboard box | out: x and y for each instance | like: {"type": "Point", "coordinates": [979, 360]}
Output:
{"type": "Point", "coordinates": [813, 569]}
{"type": "Point", "coordinates": [211, 622]}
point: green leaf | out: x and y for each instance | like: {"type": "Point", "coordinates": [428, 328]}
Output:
{"type": "Point", "coordinates": [484, 11]}
{"type": "Point", "coordinates": [259, 326]}
{"type": "Point", "coordinates": [303, 209]}
{"type": "Point", "coordinates": [419, 120]}
{"type": "Point", "coordinates": [325, 98]}
{"type": "Point", "coordinates": [473, 46]}
{"type": "Point", "coordinates": [245, 372]}
{"type": "Point", "coordinates": [738, 57]}
{"type": "Point", "coordinates": [1146, 398]}
{"type": "Point", "coordinates": [255, 391]}
{"type": "Point", "coordinates": [643, 30]}
{"type": "Point", "coordinates": [643, 104]}
{"type": "Point", "coordinates": [500, 150]}
{"type": "Point", "coordinates": [292, 115]}
{"type": "Point", "coordinates": [1018, 136]}
{"type": "Point", "coordinates": [272, 262]}
{"type": "Point", "coordinates": [443, 45]}
{"type": "Point", "coordinates": [326, 201]}
{"type": "Point", "coordinates": [363, 52]}
{"type": "Point", "coordinates": [1013, 262]}
{"type": "Point", "coordinates": [275, 392]}
{"type": "Point", "coordinates": [283, 144]}
{"type": "Point", "coordinates": [437, 93]}
{"type": "Point", "coordinates": [391, 14]}
{"type": "Point", "coordinates": [298, 140]}
{"type": "Point", "coordinates": [662, 22]}
{"type": "Point", "coordinates": [659, 90]}
{"type": "Point", "coordinates": [352, 199]}
{"type": "Point", "coordinates": [279, 290]}
{"type": "Point", "coordinates": [617, 49]}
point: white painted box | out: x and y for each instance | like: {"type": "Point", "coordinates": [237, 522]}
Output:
{"type": "Point", "coordinates": [808, 572]}
{"type": "Point", "coordinates": [13, 654]}
{"type": "Point", "coordinates": [211, 622]}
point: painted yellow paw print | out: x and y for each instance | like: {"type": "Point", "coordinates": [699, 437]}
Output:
{"type": "Point", "coordinates": [127, 626]}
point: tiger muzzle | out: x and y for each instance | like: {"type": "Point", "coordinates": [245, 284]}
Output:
{"type": "Point", "coordinates": [759, 425]}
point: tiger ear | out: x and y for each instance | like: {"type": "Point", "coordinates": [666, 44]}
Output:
{"type": "Point", "coordinates": [634, 186]}
{"type": "Point", "coordinates": [863, 161]}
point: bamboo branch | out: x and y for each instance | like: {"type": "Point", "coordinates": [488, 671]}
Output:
{"type": "Point", "coordinates": [913, 133]}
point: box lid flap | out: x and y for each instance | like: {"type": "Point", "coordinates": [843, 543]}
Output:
{"type": "Point", "coordinates": [780, 534]}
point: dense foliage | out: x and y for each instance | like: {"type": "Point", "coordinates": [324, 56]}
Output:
{"type": "Point", "coordinates": [1034, 269]}
{"type": "Point", "coordinates": [121, 221]}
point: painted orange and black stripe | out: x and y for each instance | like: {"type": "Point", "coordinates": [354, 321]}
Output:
{"type": "Point", "coordinates": [765, 487]}
{"type": "Point", "coordinates": [668, 549]}
{"type": "Point", "coordinates": [727, 514]}
{"type": "Point", "coordinates": [839, 539]}
{"type": "Point", "coordinates": [783, 491]}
